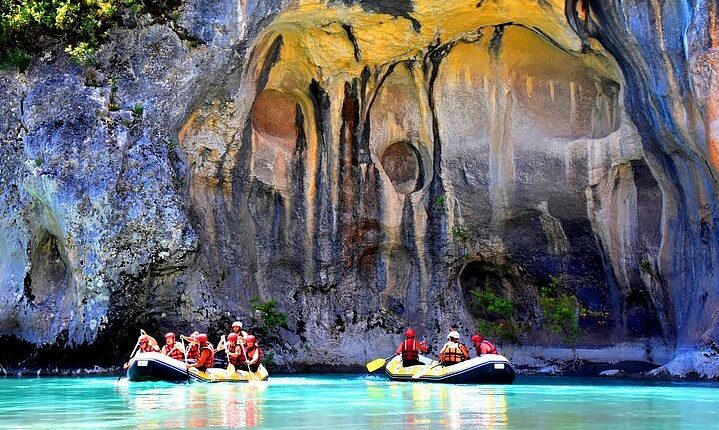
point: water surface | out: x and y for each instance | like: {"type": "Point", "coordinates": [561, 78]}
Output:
{"type": "Point", "coordinates": [355, 401]}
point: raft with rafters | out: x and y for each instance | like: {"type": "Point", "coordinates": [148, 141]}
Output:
{"type": "Point", "coordinates": [154, 366]}
{"type": "Point", "coordinates": [486, 369]}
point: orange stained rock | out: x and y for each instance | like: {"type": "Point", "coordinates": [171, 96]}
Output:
{"type": "Point", "coordinates": [316, 44]}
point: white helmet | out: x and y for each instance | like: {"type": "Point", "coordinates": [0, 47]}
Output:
{"type": "Point", "coordinates": [237, 324]}
{"type": "Point", "coordinates": [453, 335]}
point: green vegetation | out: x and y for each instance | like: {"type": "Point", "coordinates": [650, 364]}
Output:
{"type": "Point", "coordinates": [267, 322]}
{"type": "Point", "coordinates": [266, 319]}
{"type": "Point", "coordinates": [497, 316]}
{"type": "Point", "coordinates": [646, 266]}
{"type": "Point", "coordinates": [439, 202]}
{"type": "Point", "coordinates": [561, 311]}
{"type": "Point", "coordinates": [81, 25]}
{"type": "Point", "coordinates": [460, 234]}
{"type": "Point", "coordinates": [137, 110]}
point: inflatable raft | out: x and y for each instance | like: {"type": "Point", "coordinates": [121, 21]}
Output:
{"type": "Point", "coordinates": [487, 369]}
{"type": "Point", "coordinates": [153, 366]}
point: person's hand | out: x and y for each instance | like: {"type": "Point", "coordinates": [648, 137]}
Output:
{"type": "Point", "coordinates": [124, 366]}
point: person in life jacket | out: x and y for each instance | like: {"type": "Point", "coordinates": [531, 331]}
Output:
{"type": "Point", "coordinates": [235, 351]}
{"type": "Point", "coordinates": [453, 351]}
{"type": "Point", "coordinates": [483, 346]}
{"type": "Point", "coordinates": [143, 345]}
{"type": "Point", "coordinates": [172, 348]}
{"type": "Point", "coordinates": [193, 351]}
{"type": "Point", "coordinates": [253, 353]}
{"type": "Point", "coordinates": [410, 349]}
{"type": "Point", "coordinates": [207, 354]}
{"type": "Point", "coordinates": [237, 329]}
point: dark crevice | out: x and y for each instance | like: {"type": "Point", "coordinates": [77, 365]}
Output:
{"type": "Point", "coordinates": [272, 57]}
{"type": "Point", "coordinates": [355, 46]}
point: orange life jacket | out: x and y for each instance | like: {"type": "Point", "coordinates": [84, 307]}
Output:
{"type": "Point", "coordinates": [173, 352]}
{"type": "Point", "coordinates": [453, 353]}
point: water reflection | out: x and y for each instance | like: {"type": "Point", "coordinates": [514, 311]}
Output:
{"type": "Point", "coordinates": [310, 402]}
{"type": "Point", "coordinates": [169, 406]}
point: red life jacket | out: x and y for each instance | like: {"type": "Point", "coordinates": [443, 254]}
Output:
{"type": "Point", "coordinates": [209, 361]}
{"type": "Point", "coordinates": [488, 346]}
{"type": "Point", "coordinates": [173, 352]}
{"type": "Point", "coordinates": [147, 348]}
{"type": "Point", "coordinates": [410, 352]}
{"type": "Point", "coordinates": [239, 360]}
{"type": "Point", "coordinates": [194, 352]}
{"type": "Point", "coordinates": [251, 353]}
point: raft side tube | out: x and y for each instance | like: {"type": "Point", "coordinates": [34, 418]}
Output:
{"type": "Point", "coordinates": [487, 369]}
{"type": "Point", "coordinates": [154, 366]}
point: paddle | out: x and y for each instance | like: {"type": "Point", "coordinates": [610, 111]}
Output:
{"type": "Point", "coordinates": [230, 366]}
{"type": "Point", "coordinates": [378, 363]}
{"type": "Point", "coordinates": [424, 370]}
{"type": "Point", "coordinates": [187, 369]}
{"type": "Point", "coordinates": [131, 355]}
{"type": "Point", "coordinates": [244, 352]}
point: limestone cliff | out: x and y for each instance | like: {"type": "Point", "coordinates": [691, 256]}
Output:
{"type": "Point", "coordinates": [369, 164]}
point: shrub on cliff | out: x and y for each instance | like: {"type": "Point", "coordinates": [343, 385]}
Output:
{"type": "Point", "coordinates": [497, 316]}
{"type": "Point", "coordinates": [561, 309]}
{"type": "Point", "coordinates": [26, 26]}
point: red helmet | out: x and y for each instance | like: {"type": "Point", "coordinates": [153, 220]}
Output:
{"type": "Point", "coordinates": [409, 333]}
{"type": "Point", "coordinates": [201, 338]}
{"type": "Point", "coordinates": [477, 338]}
{"type": "Point", "coordinates": [232, 337]}
{"type": "Point", "coordinates": [170, 334]}
{"type": "Point", "coordinates": [144, 338]}
{"type": "Point", "coordinates": [251, 339]}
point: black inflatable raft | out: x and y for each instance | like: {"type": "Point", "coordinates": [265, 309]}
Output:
{"type": "Point", "coordinates": [153, 366]}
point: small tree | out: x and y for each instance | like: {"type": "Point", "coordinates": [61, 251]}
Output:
{"type": "Point", "coordinates": [267, 322]}
{"type": "Point", "coordinates": [561, 311]}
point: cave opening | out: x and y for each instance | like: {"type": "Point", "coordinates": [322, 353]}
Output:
{"type": "Point", "coordinates": [479, 277]}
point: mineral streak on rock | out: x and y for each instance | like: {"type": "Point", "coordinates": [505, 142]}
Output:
{"type": "Point", "coordinates": [369, 164]}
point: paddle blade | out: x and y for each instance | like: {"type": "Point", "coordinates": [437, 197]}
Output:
{"type": "Point", "coordinates": [376, 364]}
{"type": "Point", "coordinates": [421, 372]}
{"type": "Point", "coordinates": [424, 370]}
{"type": "Point", "coordinates": [231, 368]}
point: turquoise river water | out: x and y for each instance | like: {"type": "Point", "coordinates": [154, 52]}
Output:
{"type": "Point", "coordinates": [355, 401]}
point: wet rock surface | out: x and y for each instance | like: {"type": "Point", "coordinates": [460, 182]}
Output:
{"type": "Point", "coordinates": [368, 165]}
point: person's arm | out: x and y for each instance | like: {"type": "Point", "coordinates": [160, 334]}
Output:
{"type": "Point", "coordinates": [254, 359]}
{"type": "Point", "coordinates": [465, 351]}
{"type": "Point", "coordinates": [441, 352]}
{"type": "Point", "coordinates": [400, 348]}
{"type": "Point", "coordinates": [422, 346]}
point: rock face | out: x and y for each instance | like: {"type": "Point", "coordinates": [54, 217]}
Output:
{"type": "Point", "coordinates": [369, 164]}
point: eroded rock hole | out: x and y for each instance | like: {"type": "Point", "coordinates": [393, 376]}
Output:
{"type": "Point", "coordinates": [402, 163]}
{"type": "Point", "coordinates": [48, 271]}
{"type": "Point", "coordinates": [273, 115]}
